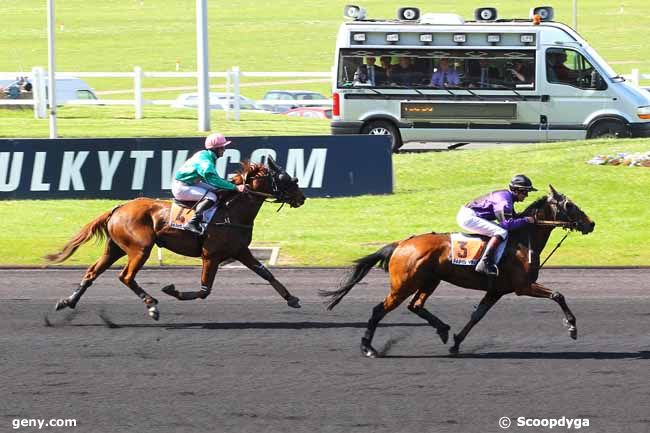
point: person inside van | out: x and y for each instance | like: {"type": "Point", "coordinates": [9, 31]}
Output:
{"type": "Point", "coordinates": [403, 73]}
{"type": "Point", "coordinates": [556, 70]}
{"type": "Point", "coordinates": [482, 74]}
{"type": "Point", "coordinates": [519, 73]}
{"type": "Point", "coordinates": [444, 76]}
{"type": "Point", "coordinates": [493, 214]}
{"type": "Point", "coordinates": [387, 68]}
{"type": "Point", "coordinates": [370, 73]}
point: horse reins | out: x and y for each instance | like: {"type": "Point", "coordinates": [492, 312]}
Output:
{"type": "Point", "coordinates": [546, 223]}
{"type": "Point", "coordinates": [554, 249]}
{"type": "Point", "coordinates": [551, 223]}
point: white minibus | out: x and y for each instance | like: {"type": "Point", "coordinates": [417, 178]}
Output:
{"type": "Point", "coordinates": [437, 77]}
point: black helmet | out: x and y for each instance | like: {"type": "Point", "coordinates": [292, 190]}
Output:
{"type": "Point", "coordinates": [521, 182]}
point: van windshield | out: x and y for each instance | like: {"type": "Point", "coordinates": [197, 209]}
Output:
{"type": "Point", "coordinates": [609, 72]}
{"type": "Point", "coordinates": [437, 68]}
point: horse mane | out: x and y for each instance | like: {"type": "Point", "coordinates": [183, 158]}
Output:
{"type": "Point", "coordinates": [248, 171]}
{"type": "Point", "coordinates": [534, 206]}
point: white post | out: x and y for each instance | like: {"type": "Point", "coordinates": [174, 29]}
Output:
{"type": "Point", "coordinates": [137, 89]}
{"type": "Point", "coordinates": [38, 92]}
{"type": "Point", "coordinates": [203, 78]}
{"type": "Point", "coordinates": [635, 77]}
{"type": "Point", "coordinates": [51, 67]}
{"type": "Point", "coordinates": [236, 76]}
{"type": "Point", "coordinates": [228, 81]}
{"type": "Point", "coordinates": [43, 91]}
{"type": "Point", "coordinates": [160, 256]}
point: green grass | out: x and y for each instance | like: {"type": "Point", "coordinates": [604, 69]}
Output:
{"type": "Point", "coordinates": [159, 121]}
{"type": "Point", "coordinates": [429, 189]}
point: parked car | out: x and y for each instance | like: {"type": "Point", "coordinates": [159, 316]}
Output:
{"type": "Point", "coordinates": [277, 98]}
{"type": "Point", "coordinates": [67, 89]}
{"type": "Point", "coordinates": [218, 101]}
{"type": "Point", "coordinates": [311, 112]}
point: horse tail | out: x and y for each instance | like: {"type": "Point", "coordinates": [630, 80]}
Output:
{"type": "Point", "coordinates": [380, 258]}
{"type": "Point", "coordinates": [96, 228]}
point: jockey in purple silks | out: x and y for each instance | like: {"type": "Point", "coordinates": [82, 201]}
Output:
{"type": "Point", "coordinates": [197, 180]}
{"type": "Point", "coordinates": [493, 215]}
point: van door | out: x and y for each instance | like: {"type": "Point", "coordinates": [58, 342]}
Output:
{"type": "Point", "coordinates": [575, 90]}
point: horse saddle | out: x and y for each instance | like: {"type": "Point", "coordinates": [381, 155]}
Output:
{"type": "Point", "coordinates": [467, 249]}
{"type": "Point", "coordinates": [182, 211]}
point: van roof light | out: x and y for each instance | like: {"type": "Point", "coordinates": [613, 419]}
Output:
{"type": "Point", "coordinates": [545, 13]}
{"type": "Point", "coordinates": [460, 38]}
{"type": "Point", "coordinates": [527, 38]}
{"type": "Point", "coordinates": [408, 14]}
{"type": "Point", "coordinates": [485, 14]}
{"type": "Point", "coordinates": [494, 38]}
{"type": "Point", "coordinates": [354, 12]}
{"type": "Point", "coordinates": [426, 38]}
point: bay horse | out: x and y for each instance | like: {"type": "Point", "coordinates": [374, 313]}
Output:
{"type": "Point", "coordinates": [418, 264]}
{"type": "Point", "coordinates": [133, 228]}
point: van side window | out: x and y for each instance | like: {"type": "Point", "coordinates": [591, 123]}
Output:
{"type": "Point", "coordinates": [569, 67]}
{"type": "Point", "coordinates": [431, 68]}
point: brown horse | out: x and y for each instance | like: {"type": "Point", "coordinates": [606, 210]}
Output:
{"type": "Point", "coordinates": [133, 228]}
{"type": "Point", "coordinates": [418, 264]}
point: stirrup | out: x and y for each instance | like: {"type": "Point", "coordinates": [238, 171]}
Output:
{"type": "Point", "coordinates": [487, 268]}
{"type": "Point", "coordinates": [194, 227]}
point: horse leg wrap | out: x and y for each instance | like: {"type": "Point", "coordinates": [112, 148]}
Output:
{"type": "Point", "coordinates": [263, 272]}
{"type": "Point", "coordinates": [378, 313]}
{"type": "Point", "coordinates": [78, 293]}
{"type": "Point", "coordinates": [479, 312]}
{"type": "Point", "coordinates": [204, 292]}
{"type": "Point", "coordinates": [557, 297]}
{"type": "Point", "coordinates": [190, 296]}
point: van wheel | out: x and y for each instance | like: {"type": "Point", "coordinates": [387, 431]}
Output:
{"type": "Point", "coordinates": [384, 127]}
{"type": "Point", "coordinates": [609, 129]}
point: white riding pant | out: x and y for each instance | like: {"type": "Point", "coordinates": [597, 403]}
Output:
{"type": "Point", "coordinates": [194, 192]}
{"type": "Point", "coordinates": [467, 219]}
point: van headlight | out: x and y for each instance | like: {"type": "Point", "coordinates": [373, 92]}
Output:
{"type": "Point", "coordinates": [643, 112]}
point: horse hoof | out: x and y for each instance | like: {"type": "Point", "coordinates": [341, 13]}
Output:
{"type": "Point", "coordinates": [455, 348]}
{"type": "Point", "coordinates": [293, 302]}
{"type": "Point", "coordinates": [444, 334]}
{"type": "Point", "coordinates": [368, 351]}
{"type": "Point", "coordinates": [63, 303]}
{"type": "Point", "coordinates": [154, 313]}
{"type": "Point", "coordinates": [170, 290]}
{"type": "Point", "coordinates": [573, 333]}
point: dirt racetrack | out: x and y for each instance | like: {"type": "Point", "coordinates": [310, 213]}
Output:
{"type": "Point", "coordinates": [242, 361]}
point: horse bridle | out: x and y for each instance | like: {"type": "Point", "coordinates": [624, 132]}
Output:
{"type": "Point", "coordinates": [559, 210]}
{"type": "Point", "coordinates": [279, 195]}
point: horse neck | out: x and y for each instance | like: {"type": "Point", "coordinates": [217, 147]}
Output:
{"type": "Point", "coordinates": [540, 237]}
{"type": "Point", "coordinates": [244, 209]}
{"type": "Point", "coordinates": [539, 234]}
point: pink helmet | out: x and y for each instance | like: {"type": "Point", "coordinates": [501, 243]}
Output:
{"type": "Point", "coordinates": [215, 141]}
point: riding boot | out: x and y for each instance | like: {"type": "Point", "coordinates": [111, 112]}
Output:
{"type": "Point", "coordinates": [486, 265]}
{"type": "Point", "coordinates": [194, 224]}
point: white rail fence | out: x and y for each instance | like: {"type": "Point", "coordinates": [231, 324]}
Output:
{"type": "Point", "coordinates": [232, 76]}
